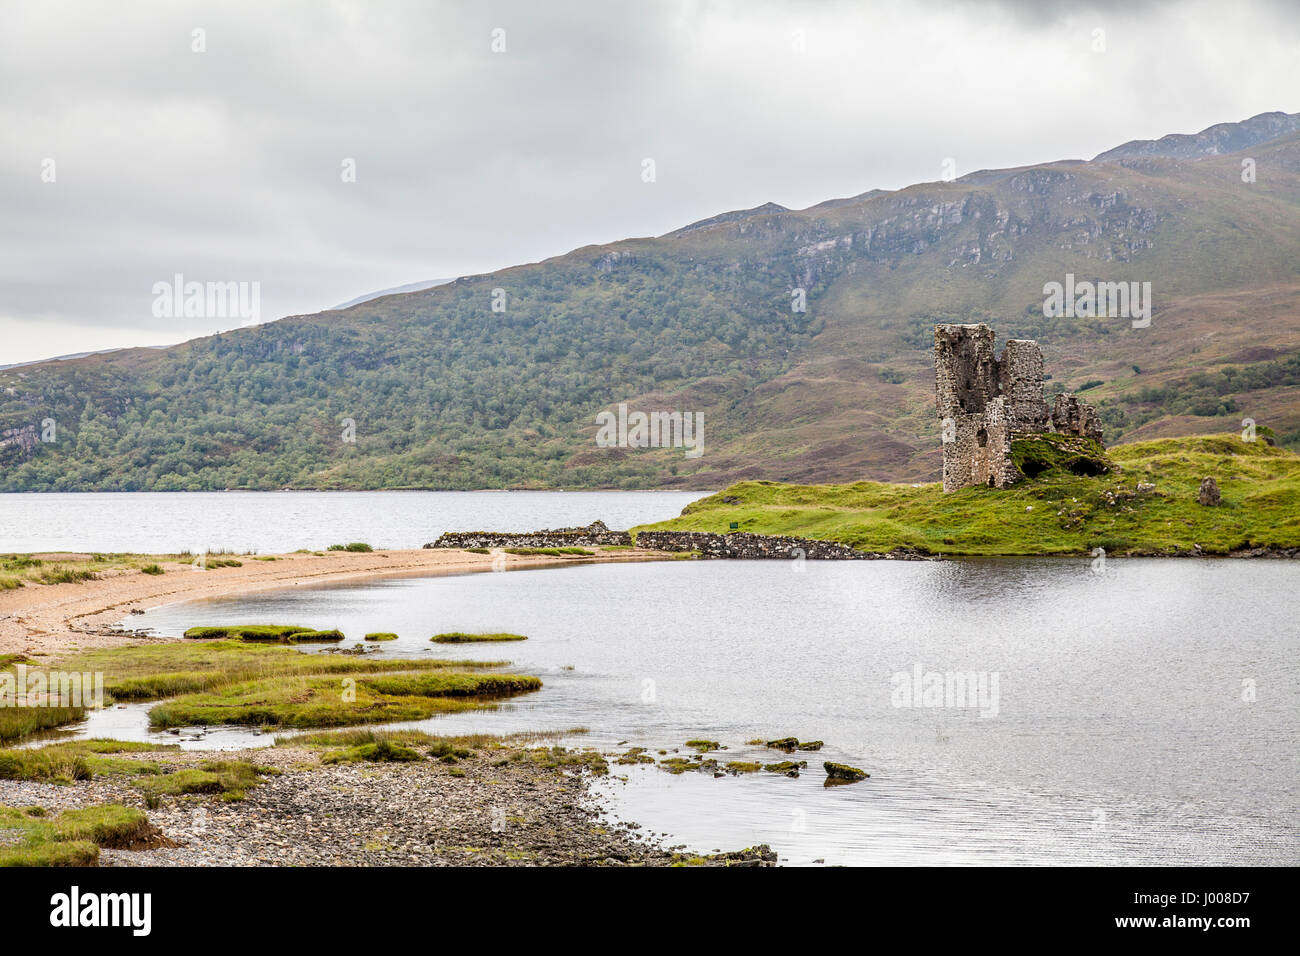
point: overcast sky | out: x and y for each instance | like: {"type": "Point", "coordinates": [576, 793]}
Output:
{"type": "Point", "coordinates": [227, 164]}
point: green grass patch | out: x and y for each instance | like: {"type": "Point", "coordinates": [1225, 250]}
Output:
{"type": "Point", "coordinates": [152, 569]}
{"type": "Point", "coordinates": [315, 637]}
{"type": "Point", "coordinates": [460, 637]}
{"type": "Point", "coordinates": [267, 633]}
{"type": "Point", "coordinates": [1054, 512]}
{"type": "Point", "coordinates": [61, 574]}
{"type": "Point", "coordinates": [553, 552]}
{"type": "Point", "coordinates": [71, 760]}
{"type": "Point", "coordinates": [563, 758]}
{"type": "Point", "coordinates": [337, 701]}
{"type": "Point", "coordinates": [633, 757]}
{"type": "Point", "coordinates": [19, 723]}
{"type": "Point", "coordinates": [380, 752]}
{"type": "Point", "coordinates": [49, 764]}
{"type": "Point", "coordinates": [217, 682]}
{"type": "Point", "coordinates": [73, 837]}
{"type": "Point", "coordinates": [381, 636]}
{"type": "Point", "coordinates": [358, 736]}
{"type": "Point", "coordinates": [1066, 454]}
{"type": "Point", "coordinates": [231, 779]}
{"type": "Point", "coordinates": [153, 671]}
{"type": "Point", "coordinates": [355, 546]}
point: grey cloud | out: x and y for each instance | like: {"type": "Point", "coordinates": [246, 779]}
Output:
{"type": "Point", "coordinates": [225, 165]}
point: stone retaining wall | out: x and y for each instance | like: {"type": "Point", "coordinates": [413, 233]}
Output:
{"type": "Point", "coordinates": [737, 544]}
{"type": "Point", "coordinates": [742, 544]}
{"type": "Point", "coordinates": [534, 539]}
{"type": "Point", "coordinates": [594, 535]}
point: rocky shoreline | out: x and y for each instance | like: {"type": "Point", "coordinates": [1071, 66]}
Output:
{"type": "Point", "coordinates": [483, 811]}
{"type": "Point", "coordinates": [736, 545]}
{"type": "Point", "coordinates": [747, 546]}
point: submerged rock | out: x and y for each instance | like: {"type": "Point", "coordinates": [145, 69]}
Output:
{"type": "Point", "coordinates": [789, 768]}
{"type": "Point", "coordinates": [842, 771]}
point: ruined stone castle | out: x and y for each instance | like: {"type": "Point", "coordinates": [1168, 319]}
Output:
{"type": "Point", "coordinates": [985, 402]}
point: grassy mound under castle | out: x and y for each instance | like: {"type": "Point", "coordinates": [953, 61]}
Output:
{"type": "Point", "coordinates": [1129, 499]}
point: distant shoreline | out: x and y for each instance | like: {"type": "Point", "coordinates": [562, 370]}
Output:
{"type": "Point", "coordinates": [41, 620]}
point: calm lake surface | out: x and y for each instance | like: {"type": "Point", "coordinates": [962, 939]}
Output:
{"type": "Point", "coordinates": [280, 521]}
{"type": "Point", "coordinates": [1146, 714]}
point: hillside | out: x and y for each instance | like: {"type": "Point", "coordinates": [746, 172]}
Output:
{"type": "Point", "coordinates": [447, 393]}
{"type": "Point", "coordinates": [1053, 513]}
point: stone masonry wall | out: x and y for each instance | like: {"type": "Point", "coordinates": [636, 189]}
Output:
{"type": "Point", "coordinates": [737, 544]}
{"type": "Point", "coordinates": [593, 536]}
{"type": "Point", "coordinates": [744, 545]}
{"type": "Point", "coordinates": [984, 402]}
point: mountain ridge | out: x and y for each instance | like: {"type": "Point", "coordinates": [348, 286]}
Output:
{"type": "Point", "coordinates": [446, 392]}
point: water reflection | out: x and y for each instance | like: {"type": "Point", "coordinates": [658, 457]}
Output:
{"type": "Point", "coordinates": [1121, 732]}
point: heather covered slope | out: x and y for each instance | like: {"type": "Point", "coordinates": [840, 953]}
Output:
{"type": "Point", "coordinates": [1054, 513]}
{"type": "Point", "coordinates": [446, 393]}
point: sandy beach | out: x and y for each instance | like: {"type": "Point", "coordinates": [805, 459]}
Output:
{"type": "Point", "coordinates": [494, 803]}
{"type": "Point", "coordinates": [41, 620]}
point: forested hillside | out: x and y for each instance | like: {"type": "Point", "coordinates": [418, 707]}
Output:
{"type": "Point", "coordinates": [444, 392]}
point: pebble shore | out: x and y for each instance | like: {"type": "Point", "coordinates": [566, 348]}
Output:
{"type": "Point", "coordinates": [377, 814]}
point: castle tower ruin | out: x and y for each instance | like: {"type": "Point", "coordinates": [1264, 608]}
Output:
{"type": "Point", "coordinates": [985, 401]}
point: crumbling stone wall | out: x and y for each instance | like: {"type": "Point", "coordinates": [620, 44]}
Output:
{"type": "Point", "coordinates": [985, 402]}
{"type": "Point", "coordinates": [1020, 380]}
{"type": "Point", "coordinates": [744, 545]}
{"type": "Point", "coordinates": [1073, 417]}
{"type": "Point", "coordinates": [594, 535]}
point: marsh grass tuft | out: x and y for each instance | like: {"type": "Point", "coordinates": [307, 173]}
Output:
{"type": "Point", "coordinates": [327, 701]}
{"type": "Point", "coordinates": [74, 760]}
{"type": "Point", "coordinates": [266, 633]}
{"type": "Point", "coordinates": [551, 552]}
{"type": "Point", "coordinates": [72, 838]}
{"type": "Point", "coordinates": [231, 779]}
{"type": "Point", "coordinates": [382, 751]}
{"type": "Point", "coordinates": [460, 637]}
{"type": "Point", "coordinates": [49, 764]}
{"type": "Point", "coordinates": [19, 723]}
{"type": "Point", "coordinates": [153, 671]}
